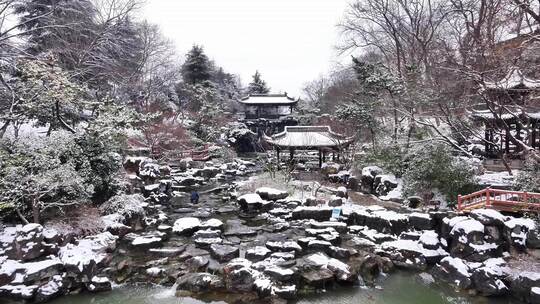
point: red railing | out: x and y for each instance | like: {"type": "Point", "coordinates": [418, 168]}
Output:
{"type": "Point", "coordinates": [503, 200]}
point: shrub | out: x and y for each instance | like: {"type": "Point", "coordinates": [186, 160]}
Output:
{"type": "Point", "coordinates": [529, 177]}
{"type": "Point", "coordinates": [433, 167]}
{"type": "Point", "coordinates": [391, 158]}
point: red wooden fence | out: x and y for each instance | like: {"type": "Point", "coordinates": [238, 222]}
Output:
{"type": "Point", "coordinates": [503, 200]}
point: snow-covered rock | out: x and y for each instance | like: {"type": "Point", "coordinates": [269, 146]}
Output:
{"type": "Point", "coordinates": [454, 271]}
{"type": "Point", "coordinates": [271, 194]}
{"type": "Point", "coordinates": [187, 225]}
{"type": "Point", "coordinates": [81, 258]}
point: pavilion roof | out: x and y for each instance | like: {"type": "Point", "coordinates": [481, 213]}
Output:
{"type": "Point", "coordinates": [308, 137]}
{"type": "Point", "coordinates": [268, 99]}
{"type": "Point", "coordinates": [514, 80]}
{"type": "Point", "coordinates": [508, 114]}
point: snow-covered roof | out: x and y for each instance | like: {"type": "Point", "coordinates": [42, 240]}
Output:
{"type": "Point", "coordinates": [513, 80]}
{"type": "Point", "coordinates": [261, 99]}
{"type": "Point", "coordinates": [308, 136]}
{"type": "Point", "coordinates": [488, 114]}
{"type": "Point", "coordinates": [506, 115]}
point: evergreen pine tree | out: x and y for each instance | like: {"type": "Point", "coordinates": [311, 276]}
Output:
{"type": "Point", "coordinates": [258, 86]}
{"type": "Point", "coordinates": [197, 67]}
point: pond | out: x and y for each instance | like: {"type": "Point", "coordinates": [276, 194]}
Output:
{"type": "Point", "coordinates": [399, 287]}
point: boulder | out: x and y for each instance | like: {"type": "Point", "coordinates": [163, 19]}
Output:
{"type": "Point", "coordinates": [315, 270]}
{"type": "Point", "coordinates": [287, 292]}
{"type": "Point", "coordinates": [516, 231]}
{"type": "Point", "coordinates": [55, 287]}
{"type": "Point", "coordinates": [279, 274]}
{"type": "Point", "coordinates": [316, 213]}
{"type": "Point", "coordinates": [342, 192]}
{"type": "Point", "coordinates": [313, 201]}
{"type": "Point", "coordinates": [257, 253]}
{"type": "Point", "coordinates": [99, 284]}
{"type": "Point", "coordinates": [489, 278]}
{"type": "Point", "coordinates": [284, 246]}
{"type": "Point", "coordinates": [271, 194]}
{"type": "Point", "coordinates": [329, 168]}
{"type": "Point", "coordinates": [224, 253]}
{"type": "Point", "coordinates": [239, 276]}
{"type": "Point", "coordinates": [524, 285]}
{"type": "Point", "coordinates": [187, 225]}
{"type": "Point", "coordinates": [18, 292]}
{"type": "Point", "coordinates": [453, 271]}
{"type": "Point", "coordinates": [421, 221]}
{"type": "Point", "coordinates": [199, 283]}
{"type": "Point", "coordinates": [148, 240]}
{"type": "Point", "coordinates": [89, 254]}
{"type": "Point", "coordinates": [414, 201]}
{"type": "Point", "coordinates": [384, 183]}
{"type": "Point", "coordinates": [368, 178]}
{"type": "Point", "coordinates": [253, 202]}
{"type": "Point", "coordinates": [27, 244]}
{"type": "Point", "coordinates": [488, 217]}
{"type": "Point", "coordinates": [336, 201]}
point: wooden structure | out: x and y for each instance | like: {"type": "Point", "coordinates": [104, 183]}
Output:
{"type": "Point", "coordinates": [268, 113]}
{"type": "Point", "coordinates": [502, 200]}
{"type": "Point", "coordinates": [512, 107]}
{"type": "Point", "coordinates": [318, 138]}
{"type": "Point", "coordinates": [267, 106]}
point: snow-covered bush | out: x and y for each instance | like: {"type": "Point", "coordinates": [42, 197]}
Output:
{"type": "Point", "coordinates": [127, 205]}
{"type": "Point", "coordinates": [391, 158]}
{"type": "Point", "coordinates": [39, 173]}
{"type": "Point", "coordinates": [529, 177]}
{"type": "Point", "coordinates": [433, 167]}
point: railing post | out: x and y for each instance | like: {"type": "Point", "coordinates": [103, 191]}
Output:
{"type": "Point", "coordinates": [488, 197]}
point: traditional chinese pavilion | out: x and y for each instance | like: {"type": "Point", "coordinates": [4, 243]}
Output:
{"type": "Point", "coordinates": [317, 138]}
{"type": "Point", "coordinates": [514, 106]}
{"type": "Point", "coordinates": [268, 113]}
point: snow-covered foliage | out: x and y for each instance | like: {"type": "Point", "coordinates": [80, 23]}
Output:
{"type": "Point", "coordinates": [433, 167]}
{"type": "Point", "coordinates": [528, 178]}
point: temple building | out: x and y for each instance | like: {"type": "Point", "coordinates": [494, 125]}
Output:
{"type": "Point", "coordinates": [512, 103]}
{"type": "Point", "coordinates": [315, 138]}
{"type": "Point", "coordinates": [268, 113]}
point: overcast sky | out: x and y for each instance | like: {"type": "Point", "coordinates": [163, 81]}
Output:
{"type": "Point", "coordinates": [288, 41]}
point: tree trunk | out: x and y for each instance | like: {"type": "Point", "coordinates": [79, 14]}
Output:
{"type": "Point", "coordinates": [4, 128]}
{"type": "Point", "coordinates": [35, 211]}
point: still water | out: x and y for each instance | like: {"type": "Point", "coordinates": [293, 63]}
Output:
{"type": "Point", "coordinates": [397, 288]}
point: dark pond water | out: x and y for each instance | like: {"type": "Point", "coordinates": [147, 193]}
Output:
{"type": "Point", "coordinates": [397, 288]}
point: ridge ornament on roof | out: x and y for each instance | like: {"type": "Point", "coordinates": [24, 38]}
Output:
{"type": "Point", "coordinates": [268, 99]}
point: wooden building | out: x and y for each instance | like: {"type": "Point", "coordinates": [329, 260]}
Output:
{"type": "Point", "coordinates": [513, 105]}
{"type": "Point", "coordinates": [317, 138]}
{"type": "Point", "coordinates": [268, 113]}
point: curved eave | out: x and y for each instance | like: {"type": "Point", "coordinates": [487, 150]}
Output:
{"type": "Point", "coordinates": [255, 103]}
{"type": "Point", "coordinates": [343, 143]}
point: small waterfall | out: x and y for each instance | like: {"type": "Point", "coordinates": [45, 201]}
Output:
{"type": "Point", "coordinates": [165, 292]}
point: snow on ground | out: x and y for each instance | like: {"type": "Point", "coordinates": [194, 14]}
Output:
{"type": "Point", "coordinates": [497, 179]}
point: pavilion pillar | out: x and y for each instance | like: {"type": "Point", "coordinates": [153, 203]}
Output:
{"type": "Point", "coordinates": [277, 155]}
{"type": "Point", "coordinates": [324, 156]}
{"type": "Point", "coordinates": [507, 142]}
{"type": "Point", "coordinates": [291, 154]}
{"type": "Point", "coordinates": [533, 134]}
{"type": "Point", "coordinates": [487, 145]}
{"type": "Point", "coordinates": [320, 159]}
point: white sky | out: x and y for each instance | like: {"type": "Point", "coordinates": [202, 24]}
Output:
{"type": "Point", "coordinates": [289, 41]}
